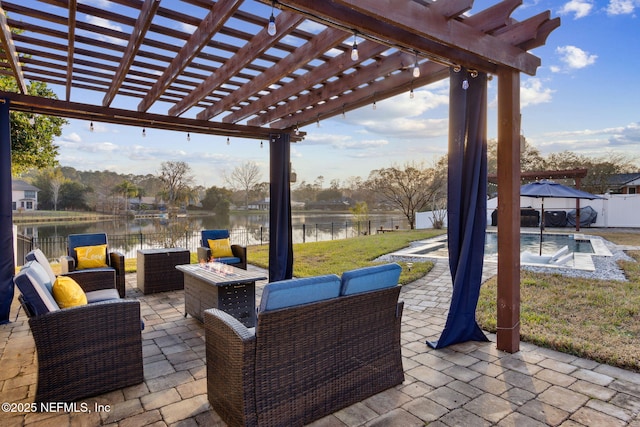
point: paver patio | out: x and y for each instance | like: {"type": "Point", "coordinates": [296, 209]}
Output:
{"type": "Point", "coordinates": [471, 384]}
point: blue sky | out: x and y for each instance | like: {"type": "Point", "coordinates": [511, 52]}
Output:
{"type": "Point", "coordinates": [584, 98]}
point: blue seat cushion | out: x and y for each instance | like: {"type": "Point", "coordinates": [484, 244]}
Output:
{"type": "Point", "coordinates": [34, 284]}
{"type": "Point", "coordinates": [292, 292]}
{"type": "Point", "coordinates": [370, 278]}
{"type": "Point", "coordinates": [229, 260]}
{"type": "Point", "coordinates": [102, 295]}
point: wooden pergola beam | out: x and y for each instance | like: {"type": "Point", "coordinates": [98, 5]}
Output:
{"type": "Point", "coordinates": [136, 38]}
{"type": "Point", "coordinates": [220, 12]}
{"type": "Point", "coordinates": [10, 51]}
{"type": "Point", "coordinates": [285, 22]}
{"type": "Point", "coordinates": [508, 316]}
{"type": "Point", "coordinates": [75, 110]}
{"type": "Point", "coordinates": [342, 62]}
{"type": "Point", "coordinates": [380, 89]}
{"type": "Point", "coordinates": [324, 41]}
{"type": "Point", "coordinates": [71, 37]}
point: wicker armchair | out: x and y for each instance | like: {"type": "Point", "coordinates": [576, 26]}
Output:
{"type": "Point", "coordinates": [115, 260]}
{"type": "Point", "coordinates": [82, 351]}
{"type": "Point", "coordinates": [304, 362]}
{"type": "Point", "coordinates": [239, 258]}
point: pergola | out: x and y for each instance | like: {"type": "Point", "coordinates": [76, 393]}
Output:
{"type": "Point", "coordinates": [217, 67]}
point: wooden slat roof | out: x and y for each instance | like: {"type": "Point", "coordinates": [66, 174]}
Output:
{"type": "Point", "coordinates": [207, 66]}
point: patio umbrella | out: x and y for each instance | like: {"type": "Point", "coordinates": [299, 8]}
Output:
{"type": "Point", "coordinates": [546, 188]}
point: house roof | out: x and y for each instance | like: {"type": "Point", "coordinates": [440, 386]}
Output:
{"type": "Point", "coordinates": [621, 179]}
{"type": "Point", "coordinates": [207, 66]}
{"type": "Point", "coordinates": [20, 185]}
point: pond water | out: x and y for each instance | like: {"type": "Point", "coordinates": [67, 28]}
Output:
{"type": "Point", "coordinates": [127, 236]}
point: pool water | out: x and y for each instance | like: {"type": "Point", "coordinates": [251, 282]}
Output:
{"type": "Point", "coordinates": [551, 243]}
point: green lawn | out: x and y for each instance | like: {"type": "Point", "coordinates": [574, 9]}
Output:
{"type": "Point", "coordinates": [338, 256]}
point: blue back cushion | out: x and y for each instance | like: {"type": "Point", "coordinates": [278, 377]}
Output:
{"type": "Point", "coordinates": [370, 278]}
{"type": "Point", "coordinates": [288, 293]}
{"type": "Point", "coordinates": [34, 284]}
{"type": "Point", "coordinates": [213, 235]}
{"type": "Point", "coordinates": [87, 239]}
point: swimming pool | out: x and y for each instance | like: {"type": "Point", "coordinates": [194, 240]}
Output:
{"type": "Point", "coordinates": [551, 243]}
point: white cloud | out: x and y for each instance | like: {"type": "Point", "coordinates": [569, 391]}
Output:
{"type": "Point", "coordinates": [574, 58]}
{"type": "Point", "coordinates": [104, 23]}
{"type": "Point", "coordinates": [622, 7]}
{"type": "Point", "coordinates": [187, 28]}
{"type": "Point", "coordinates": [580, 8]}
{"type": "Point", "coordinates": [532, 92]}
{"type": "Point", "coordinates": [629, 135]}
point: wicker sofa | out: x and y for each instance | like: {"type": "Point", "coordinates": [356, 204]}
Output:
{"type": "Point", "coordinates": [320, 344]}
{"type": "Point", "coordinates": [85, 350]}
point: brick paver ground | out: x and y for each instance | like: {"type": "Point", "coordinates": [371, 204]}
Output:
{"type": "Point", "coordinates": [469, 384]}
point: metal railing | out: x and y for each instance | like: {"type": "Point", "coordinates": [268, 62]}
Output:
{"type": "Point", "coordinates": [128, 244]}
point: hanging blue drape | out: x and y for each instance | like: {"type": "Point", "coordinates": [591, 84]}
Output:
{"type": "Point", "coordinates": [280, 235]}
{"type": "Point", "coordinates": [7, 262]}
{"type": "Point", "coordinates": [467, 204]}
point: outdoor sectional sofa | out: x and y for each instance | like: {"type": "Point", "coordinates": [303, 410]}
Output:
{"type": "Point", "coordinates": [84, 350]}
{"type": "Point", "coordinates": [320, 344]}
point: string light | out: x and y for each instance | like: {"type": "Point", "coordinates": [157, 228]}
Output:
{"type": "Point", "coordinates": [297, 130]}
{"type": "Point", "coordinates": [144, 132]}
{"type": "Point", "coordinates": [411, 95]}
{"type": "Point", "coordinates": [188, 137]}
{"type": "Point", "coordinates": [354, 49]}
{"type": "Point", "coordinates": [416, 68]}
{"type": "Point", "coordinates": [465, 84]}
{"type": "Point", "coordinates": [344, 116]}
{"type": "Point", "coordinates": [261, 145]}
{"type": "Point", "coordinates": [91, 128]}
{"type": "Point", "coordinates": [318, 120]}
{"type": "Point", "coordinates": [228, 141]}
{"type": "Point", "coordinates": [271, 28]}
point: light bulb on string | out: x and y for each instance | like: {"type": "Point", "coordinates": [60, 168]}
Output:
{"type": "Point", "coordinates": [188, 137]}
{"type": "Point", "coordinates": [144, 132]}
{"type": "Point", "coordinates": [465, 84]}
{"type": "Point", "coordinates": [271, 28]}
{"type": "Point", "coordinates": [261, 145]}
{"type": "Point", "coordinates": [411, 94]}
{"type": "Point", "coordinates": [354, 49]}
{"type": "Point", "coordinates": [416, 68]}
{"type": "Point", "coordinates": [228, 141]}
{"type": "Point", "coordinates": [91, 128]}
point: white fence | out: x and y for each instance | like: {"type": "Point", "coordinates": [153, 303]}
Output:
{"type": "Point", "coordinates": [616, 210]}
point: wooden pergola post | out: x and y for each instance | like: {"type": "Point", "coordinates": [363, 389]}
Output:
{"type": "Point", "coordinates": [508, 335]}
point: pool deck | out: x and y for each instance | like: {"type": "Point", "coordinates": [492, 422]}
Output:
{"type": "Point", "coordinates": [435, 248]}
{"type": "Point", "coordinates": [467, 384]}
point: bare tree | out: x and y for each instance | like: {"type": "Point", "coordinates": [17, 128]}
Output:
{"type": "Point", "coordinates": [244, 177]}
{"type": "Point", "coordinates": [55, 182]}
{"type": "Point", "coordinates": [176, 178]}
{"type": "Point", "coordinates": [409, 189]}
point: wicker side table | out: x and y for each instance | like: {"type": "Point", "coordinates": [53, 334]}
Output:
{"type": "Point", "coordinates": [156, 269]}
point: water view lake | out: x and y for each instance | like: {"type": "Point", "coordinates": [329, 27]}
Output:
{"type": "Point", "coordinates": [246, 229]}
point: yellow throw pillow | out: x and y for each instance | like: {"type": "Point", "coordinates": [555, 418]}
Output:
{"type": "Point", "coordinates": [220, 248]}
{"type": "Point", "coordinates": [68, 293]}
{"type": "Point", "coordinates": [91, 256]}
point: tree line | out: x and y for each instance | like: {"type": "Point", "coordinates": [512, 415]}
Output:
{"type": "Point", "coordinates": [410, 188]}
